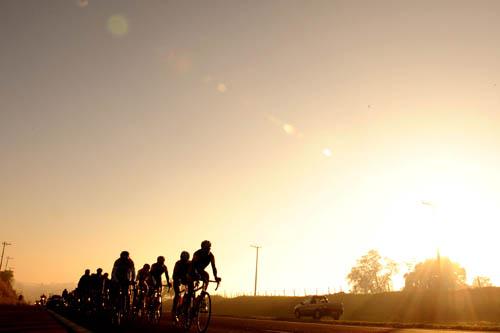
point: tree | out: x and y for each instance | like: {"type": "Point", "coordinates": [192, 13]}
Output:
{"type": "Point", "coordinates": [7, 276]}
{"type": "Point", "coordinates": [481, 281]}
{"type": "Point", "coordinates": [7, 294]}
{"type": "Point", "coordinates": [436, 274]}
{"type": "Point", "coordinates": [372, 274]}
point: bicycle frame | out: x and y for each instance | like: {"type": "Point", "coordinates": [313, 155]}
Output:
{"type": "Point", "coordinates": [190, 308]}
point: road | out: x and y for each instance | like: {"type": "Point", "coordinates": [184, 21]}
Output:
{"type": "Point", "coordinates": [233, 325]}
{"type": "Point", "coordinates": [28, 319]}
{"type": "Point", "coordinates": [31, 319]}
{"type": "Point", "coordinates": [240, 325]}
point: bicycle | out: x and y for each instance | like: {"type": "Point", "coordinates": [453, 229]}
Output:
{"type": "Point", "coordinates": [155, 306]}
{"type": "Point", "coordinates": [140, 302]}
{"type": "Point", "coordinates": [198, 308]}
{"type": "Point", "coordinates": [123, 303]}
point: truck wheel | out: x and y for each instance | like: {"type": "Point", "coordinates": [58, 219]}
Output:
{"type": "Point", "coordinates": [317, 315]}
{"type": "Point", "coordinates": [297, 314]}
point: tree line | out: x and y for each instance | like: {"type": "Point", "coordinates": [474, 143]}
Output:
{"type": "Point", "coordinates": [374, 273]}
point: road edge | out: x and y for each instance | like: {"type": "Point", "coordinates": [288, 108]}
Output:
{"type": "Point", "coordinates": [394, 325]}
{"type": "Point", "coordinates": [68, 324]}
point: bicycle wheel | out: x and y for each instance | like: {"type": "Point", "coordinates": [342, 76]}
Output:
{"type": "Point", "coordinates": [116, 315]}
{"type": "Point", "coordinates": [157, 314]}
{"type": "Point", "coordinates": [203, 312]}
{"type": "Point", "coordinates": [118, 310]}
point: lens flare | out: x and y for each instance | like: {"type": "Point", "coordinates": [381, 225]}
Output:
{"type": "Point", "coordinates": [118, 25]}
{"type": "Point", "coordinates": [179, 61]}
{"type": "Point", "coordinates": [221, 87]}
{"type": "Point", "coordinates": [289, 129]}
{"type": "Point", "coordinates": [83, 3]}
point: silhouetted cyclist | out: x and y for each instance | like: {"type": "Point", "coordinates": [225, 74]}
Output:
{"type": "Point", "coordinates": [201, 259]}
{"type": "Point", "coordinates": [123, 269]}
{"type": "Point", "coordinates": [123, 274]}
{"type": "Point", "coordinates": [96, 283]}
{"type": "Point", "coordinates": [65, 294]}
{"type": "Point", "coordinates": [106, 284]}
{"type": "Point", "coordinates": [142, 277]}
{"type": "Point", "coordinates": [85, 285]}
{"type": "Point", "coordinates": [157, 269]}
{"type": "Point", "coordinates": [179, 276]}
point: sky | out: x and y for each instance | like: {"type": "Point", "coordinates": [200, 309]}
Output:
{"type": "Point", "coordinates": [315, 129]}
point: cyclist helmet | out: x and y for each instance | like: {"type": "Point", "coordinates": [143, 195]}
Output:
{"type": "Point", "coordinates": [206, 245]}
{"type": "Point", "coordinates": [124, 254]}
{"type": "Point", "coordinates": [146, 266]}
{"type": "Point", "coordinates": [185, 255]}
{"type": "Point", "coordinates": [99, 271]}
{"type": "Point", "coordinates": [160, 259]}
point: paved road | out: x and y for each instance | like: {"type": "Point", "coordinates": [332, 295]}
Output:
{"type": "Point", "coordinates": [230, 325]}
{"type": "Point", "coordinates": [27, 319]}
{"type": "Point", "coordinates": [31, 319]}
{"type": "Point", "coordinates": [237, 325]}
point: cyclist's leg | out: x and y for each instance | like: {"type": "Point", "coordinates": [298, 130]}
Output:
{"type": "Point", "coordinates": [124, 295]}
{"type": "Point", "coordinates": [114, 293]}
{"type": "Point", "coordinates": [205, 278]}
{"type": "Point", "coordinates": [190, 290]}
{"type": "Point", "coordinates": [177, 292]}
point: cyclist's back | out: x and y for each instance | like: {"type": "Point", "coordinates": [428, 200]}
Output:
{"type": "Point", "coordinates": [84, 284]}
{"type": "Point", "coordinates": [201, 259]}
{"type": "Point", "coordinates": [181, 270]}
{"type": "Point", "coordinates": [157, 269]}
{"type": "Point", "coordinates": [143, 277]}
{"type": "Point", "coordinates": [123, 270]}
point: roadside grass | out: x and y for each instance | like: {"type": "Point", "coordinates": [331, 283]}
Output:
{"type": "Point", "coordinates": [468, 309]}
{"type": "Point", "coordinates": [479, 326]}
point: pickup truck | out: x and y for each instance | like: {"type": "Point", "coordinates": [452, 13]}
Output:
{"type": "Point", "coordinates": [317, 307]}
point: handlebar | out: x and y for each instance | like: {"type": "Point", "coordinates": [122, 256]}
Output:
{"type": "Point", "coordinates": [216, 281]}
{"type": "Point", "coordinates": [198, 287]}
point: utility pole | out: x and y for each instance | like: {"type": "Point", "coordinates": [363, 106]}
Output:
{"type": "Point", "coordinates": [256, 267]}
{"type": "Point", "coordinates": [7, 262]}
{"type": "Point", "coordinates": [4, 244]}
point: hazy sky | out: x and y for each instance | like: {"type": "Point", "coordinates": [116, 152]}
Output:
{"type": "Point", "coordinates": [312, 128]}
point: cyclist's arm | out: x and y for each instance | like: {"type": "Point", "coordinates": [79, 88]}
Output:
{"type": "Point", "coordinates": [166, 275]}
{"type": "Point", "coordinates": [132, 268]}
{"type": "Point", "coordinates": [113, 273]}
{"type": "Point", "coordinates": [176, 271]}
{"type": "Point", "coordinates": [195, 258]}
{"type": "Point", "coordinates": [214, 269]}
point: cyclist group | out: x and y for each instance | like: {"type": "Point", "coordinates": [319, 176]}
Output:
{"type": "Point", "coordinates": [148, 280]}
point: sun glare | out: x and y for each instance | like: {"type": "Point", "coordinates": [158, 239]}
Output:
{"type": "Point", "coordinates": [450, 216]}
